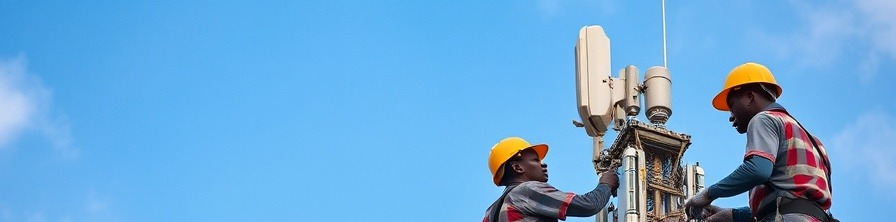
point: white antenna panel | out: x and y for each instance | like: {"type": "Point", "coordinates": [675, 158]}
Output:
{"type": "Point", "coordinates": [594, 99]}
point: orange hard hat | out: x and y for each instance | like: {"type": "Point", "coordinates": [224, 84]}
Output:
{"type": "Point", "coordinates": [744, 74]}
{"type": "Point", "coordinates": [507, 148]}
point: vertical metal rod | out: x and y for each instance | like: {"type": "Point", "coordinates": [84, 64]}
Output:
{"type": "Point", "coordinates": [657, 197]}
{"type": "Point", "coordinates": [664, 35]}
{"type": "Point", "coordinates": [597, 147]}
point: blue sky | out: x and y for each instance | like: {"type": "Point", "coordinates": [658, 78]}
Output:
{"type": "Point", "coordinates": [385, 111]}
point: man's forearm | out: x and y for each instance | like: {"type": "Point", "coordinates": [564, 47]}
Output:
{"type": "Point", "coordinates": [754, 171]}
{"type": "Point", "coordinates": [590, 203]}
{"type": "Point", "coordinates": [742, 214]}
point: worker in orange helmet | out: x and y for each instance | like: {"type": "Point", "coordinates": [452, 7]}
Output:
{"type": "Point", "coordinates": [785, 168]}
{"type": "Point", "coordinates": [518, 166]}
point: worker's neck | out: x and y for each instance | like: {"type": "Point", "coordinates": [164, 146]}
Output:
{"type": "Point", "coordinates": [762, 105]}
{"type": "Point", "coordinates": [515, 182]}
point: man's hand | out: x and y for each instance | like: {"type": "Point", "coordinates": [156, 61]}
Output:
{"type": "Point", "coordinates": [718, 214]}
{"type": "Point", "coordinates": [610, 179]}
{"type": "Point", "coordinates": [694, 205]}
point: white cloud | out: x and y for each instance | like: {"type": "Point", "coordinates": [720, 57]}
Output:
{"type": "Point", "coordinates": [36, 217]}
{"type": "Point", "coordinates": [865, 148]}
{"type": "Point", "coordinates": [96, 204]}
{"type": "Point", "coordinates": [881, 23]}
{"type": "Point", "coordinates": [5, 214]}
{"type": "Point", "coordinates": [549, 7]}
{"type": "Point", "coordinates": [17, 105]}
{"type": "Point", "coordinates": [832, 29]}
{"type": "Point", "coordinates": [25, 103]}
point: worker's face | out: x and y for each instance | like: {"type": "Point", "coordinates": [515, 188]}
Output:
{"type": "Point", "coordinates": [531, 167]}
{"type": "Point", "coordinates": [739, 103]}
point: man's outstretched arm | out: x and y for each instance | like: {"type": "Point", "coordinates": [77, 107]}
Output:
{"type": "Point", "coordinates": [591, 203]}
{"type": "Point", "coordinates": [754, 171]}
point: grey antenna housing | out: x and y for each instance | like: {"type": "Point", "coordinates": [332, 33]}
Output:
{"type": "Point", "coordinates": [658, 94]}
{"type": "Point", "coordinates": [631, 102]}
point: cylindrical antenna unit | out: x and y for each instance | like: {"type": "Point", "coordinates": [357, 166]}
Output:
{"type": "Point", "coordinates": [658, 94]}
{"type": "Point", "coordinates": [631, 103]}
{"type": "Point", "coordinates": [617, 91]}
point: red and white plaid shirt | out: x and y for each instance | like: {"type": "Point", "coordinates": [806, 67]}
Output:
{"type": "Point", "coordinates": [799, 168]}
{"type": "Point", "coordinates": [533, 201]}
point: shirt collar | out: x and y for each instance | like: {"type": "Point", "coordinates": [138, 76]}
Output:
{"type": "Point", "coordinates": [774, 106]}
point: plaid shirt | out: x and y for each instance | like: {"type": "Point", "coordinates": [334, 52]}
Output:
{"type": "Point", "coordinates": [799, 170]}
{"type": "Point", "coordinates": [532, 201]}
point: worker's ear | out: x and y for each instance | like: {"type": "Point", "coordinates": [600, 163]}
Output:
{"type": "Point", "coordinates": [517, 168]}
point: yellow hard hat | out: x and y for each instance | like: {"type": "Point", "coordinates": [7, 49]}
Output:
{"type": "Point", "coordinates": [747, 73]}
{"type": "Point", "coordinates": [507, 148]}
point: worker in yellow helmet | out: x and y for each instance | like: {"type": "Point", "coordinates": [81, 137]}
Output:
{"type": "Point", "coordinates": [785, 169]}
{"type": "Point", "coordinates": [528, 197]}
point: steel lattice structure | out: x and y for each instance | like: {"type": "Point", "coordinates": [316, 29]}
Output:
{"type": "Point", "coordinates": [663, 172]}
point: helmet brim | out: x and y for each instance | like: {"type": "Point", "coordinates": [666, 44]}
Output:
{"type": "Point", "coordinates": [541, 150]}
{"type": "Point", "coordinates": [720, 101]}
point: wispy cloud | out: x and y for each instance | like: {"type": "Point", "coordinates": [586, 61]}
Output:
{"type": "Point", "coordinates": [549, 8]}
{"type": "Point", "coordinates": [96, 204]}
{"type": "Point", "coordinates": [865, 148]}
{"type": "Point", "coordinates": [26, 104]}
{"type": "Point", "coordinates": [5, 213]}
{"type": "Point", "coordinates": [100, 206]}
{"type": "Point", "coordinates": [880, 23]}
{"type": "Point", "coordinates": [17, 104]}
{"type": "Point", "coordinates": [36, 217]}
{"type": "Point", "coordinates": [829, 30]}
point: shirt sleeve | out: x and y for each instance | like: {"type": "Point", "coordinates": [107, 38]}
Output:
{"type": "Point", "coordinates": [752, 172]}
{"type": "Point", "coordinates": [539, 198]}
{"type": "Point", "coordinates": [590, 203]}
{"type": "Point", "coordinates": [763, 137]}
